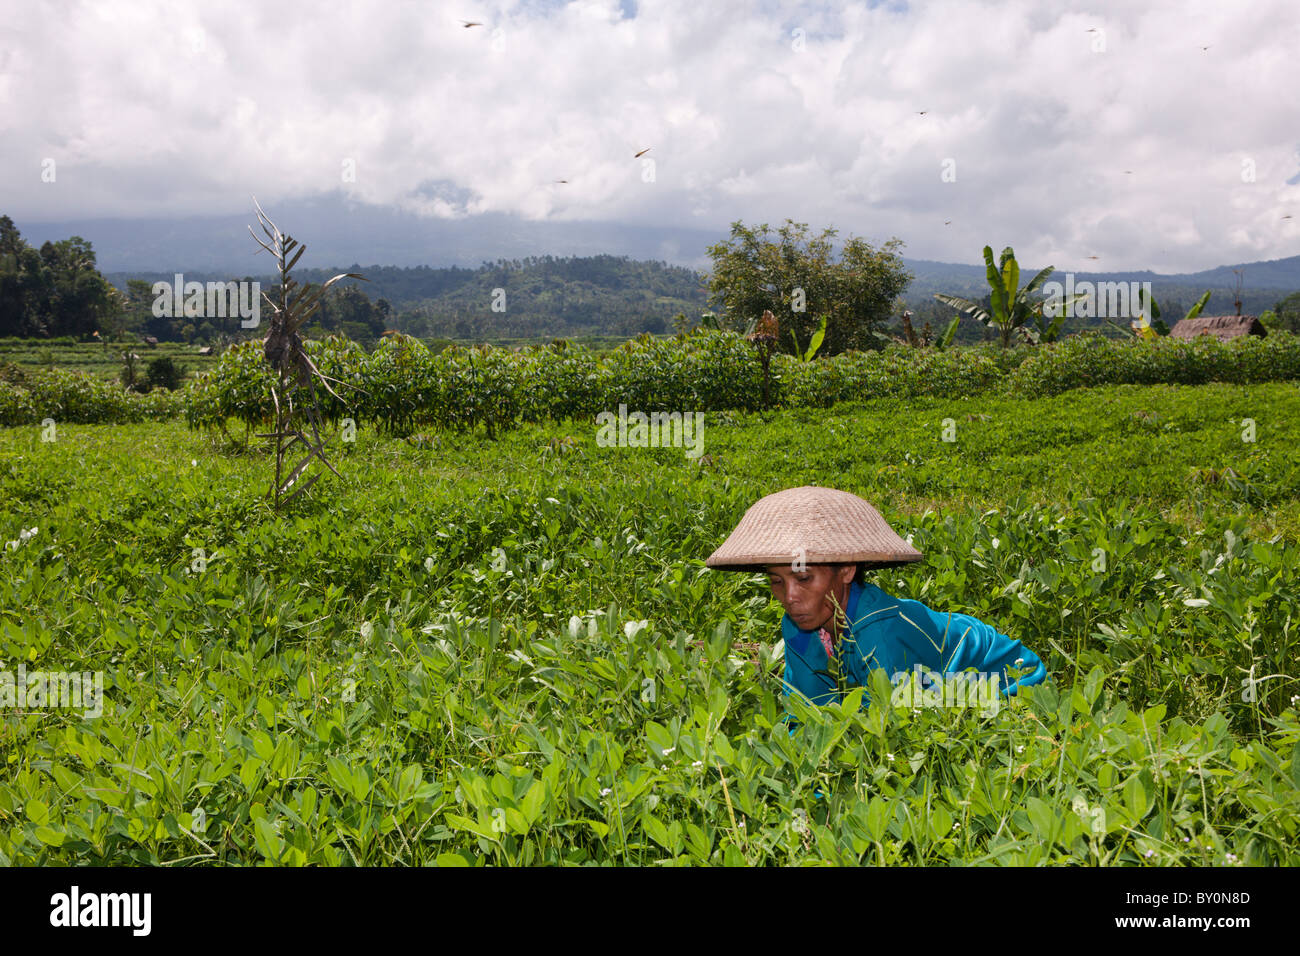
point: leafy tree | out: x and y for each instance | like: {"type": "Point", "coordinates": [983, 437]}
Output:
{"type": "Point", "coordinates": [796, 279]}
{"type": "Point", "coordinates": [1288, 313]}
{"type": "Point", "coordinates": [80, 300]}
{"type": "Point", "coordinates": [164, 372]}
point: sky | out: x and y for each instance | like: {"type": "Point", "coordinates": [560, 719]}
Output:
{"type": "Point", "coordinates": [1161, 135]}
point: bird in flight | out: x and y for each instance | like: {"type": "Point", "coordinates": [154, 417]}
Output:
{"type": "Point", "coordinates": [643, 152]}
{"type": "Point", "coordinates": [947, 222]}
{"type": "Point", "coordinates": [1128, 172]}
{"type": "Point", "coordinates": [1287, 216]}
{"type": "Point", "coordinates": [561, 180]}
{"type": "Point", "coordinates": [471, 23]}
{"type": "Point", "coordinates": [921, 112]}
{"type": "Point", "coordinates": [1092, 257]}
{"type": "Point", "coordinates": [1204, 48]}
{"type": "Point", "coordinates": [1090, 30]}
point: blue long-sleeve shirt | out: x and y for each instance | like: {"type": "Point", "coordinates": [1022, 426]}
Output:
{"type": "Point", "coordinates": [903, 637]}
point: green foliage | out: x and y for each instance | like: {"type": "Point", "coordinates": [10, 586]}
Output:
{"type": "Point", "coordinates": [795, 278]}
{"type": "Point", "coordinates": [1011, 307]}
{"type": "Point", "coordinates": [55, 291]}
{"type": "Point", "coordinates": [1288, 313]}
{"type": "Point", "coordinates": [74, 398]}
{"type": "Point", "coordinates": [164, 372]}
{"type": "Point", "coordinates": [807, 355]}
{"type": "Point", "coordinates": [493, 653]}
{"type": "Point", "coordinates": [1090, 359]}
{"type": "Point", "coordinates": [403, 387]}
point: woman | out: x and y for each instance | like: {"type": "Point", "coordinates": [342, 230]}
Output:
{"type": "Point", "coordinates": [815, 545]}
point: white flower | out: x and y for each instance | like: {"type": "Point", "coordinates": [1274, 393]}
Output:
{"type": "Point", "coordinates": [367, 630]}
{"type": "Point", "coordinates": [1020, 749]}
{"type": "Point", "coordinates": [668, 750]}
{"type": "Point", "coordinates": [194, 463]}
{"type": "Point", "coordinates": [606, 792]}
{"type": "Point", "coordinates": [1232, 858]}
{"type": "Point", "coordinates": [995, 544]}
{"type": "Point", "coordinates": [956, 826]}
{"type": "Point", "coordinates": [1149, 854]}
{"type": "Point", "coordinates": [428, 564]}
{"type": "Point", "coordinates": [1020, 662]}
{"type": "Point", "coordinates": [889, 757]}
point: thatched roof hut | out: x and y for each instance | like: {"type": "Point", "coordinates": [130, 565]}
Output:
{"type": "Point", "coordinates": [1222, 327]}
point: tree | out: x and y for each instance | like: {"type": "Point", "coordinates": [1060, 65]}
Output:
{"type": "Point", "coordinates": [796, 279]}
{"type": "Point", "coordinates": [1010, 307]}
{"type": "Point", "coordinates": [80, 300]}
{"type": "Point", "coordinates": [164, 372]}
{"type": "Point", "coordinates": [1287, 313]}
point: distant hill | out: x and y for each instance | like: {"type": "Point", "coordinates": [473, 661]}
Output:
{"type": "Point", "coordinates": [615, 295]}
{"type": "Point", "coordinates": [541, 296]}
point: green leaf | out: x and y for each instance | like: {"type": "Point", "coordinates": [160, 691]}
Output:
{"type": "Point", "coordinates": [878, 814]}
{"type": "Point", "coordinates": [1041, 816]}
{"type": "Point", "coordinates": [1135, 798]}
{"type": "Point", "coordinates": [655, 829]}
{"type": "Point", "coordinates": [1195, 310]}
{"type": "Point", "coordinates": [49, 837]}
{"type": "Point", "coordinates": [262, 744]}
{"type": "Point", "coordinates": [268, 842]}
{"type": "Point", "coordinates": [534, 801]}
{"type": "Point", "coordinates": [37, 811]}
{"type": "Point", "coordinates": [816, 342]}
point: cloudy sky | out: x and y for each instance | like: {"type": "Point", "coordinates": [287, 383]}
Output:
{"type": "Point", "coordinates": [1162, 135]}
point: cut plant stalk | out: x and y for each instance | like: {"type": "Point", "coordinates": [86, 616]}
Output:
{"type": "Point", "coordinates": [284, 352]}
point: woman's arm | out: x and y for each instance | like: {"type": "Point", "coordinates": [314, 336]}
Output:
{"type": "Point", "coordinates": [951, 643]}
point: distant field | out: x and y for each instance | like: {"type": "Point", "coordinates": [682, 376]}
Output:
{"type": "Point", "coordinates": [105, 361]}
{"type": "Point", "coordinates": [101, 361]}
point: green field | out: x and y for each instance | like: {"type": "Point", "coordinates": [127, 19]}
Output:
{"type": "Point", "coordinates": [103, 362]}
{"type": "Point", "coordinates": [474, 651]}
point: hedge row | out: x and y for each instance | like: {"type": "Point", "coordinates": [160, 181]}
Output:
{"type": "Point", "coordinates": [1082, 361]}
{"type": "Point", "coordinates": [403, 385]}
{"type": "Point", "coordinates": [29, 396]}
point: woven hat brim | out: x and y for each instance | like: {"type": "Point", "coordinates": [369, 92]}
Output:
{"type": "Point", "coordinates": [762, 566]}
{"type": "Point", "coordinates": [811, 525]}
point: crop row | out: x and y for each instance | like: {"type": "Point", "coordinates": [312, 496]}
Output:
{"type": "Point", "coordinates": [403, 386]}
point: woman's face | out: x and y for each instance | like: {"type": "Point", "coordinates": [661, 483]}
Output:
{"type": "Point", "coordinates": [806, 595]}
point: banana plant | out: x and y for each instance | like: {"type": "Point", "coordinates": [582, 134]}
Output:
{"type": "Point", "coordinates": [1150, 327]}
{"type": "Point", "coordinates": [945, 340]}
{"type": "Point", "coordinates": [1011, 307]}
{"type": "Point", "coordinates": [814, 343]}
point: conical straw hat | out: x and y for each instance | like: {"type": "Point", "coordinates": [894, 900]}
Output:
{"type": "Point", "coordinates": [819, 525]}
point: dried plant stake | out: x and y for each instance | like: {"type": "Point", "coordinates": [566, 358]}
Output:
{"type": "Point", "coordinates": [294, 392]}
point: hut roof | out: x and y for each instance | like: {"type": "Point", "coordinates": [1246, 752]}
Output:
{"type": "Point", "coordinates": [1222, 327]}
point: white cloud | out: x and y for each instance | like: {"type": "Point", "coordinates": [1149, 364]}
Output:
{"type": "Point", "coordinates": [756, 111]}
